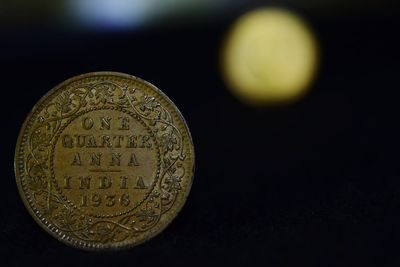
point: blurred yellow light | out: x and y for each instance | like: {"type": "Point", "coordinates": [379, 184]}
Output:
{"type": "Point", "coordinates": [270, 56]}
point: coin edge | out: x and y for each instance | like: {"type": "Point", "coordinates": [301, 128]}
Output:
{"type": "Point", "coordinates": [170, 216]}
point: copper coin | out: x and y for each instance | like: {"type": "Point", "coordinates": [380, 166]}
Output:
{"type": "Point", "coordinates": [104, 160]}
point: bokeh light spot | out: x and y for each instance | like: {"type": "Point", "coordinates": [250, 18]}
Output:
{"type": "Point", "coordinates": [270, 56]}
{"type": "Point", "coordinates": [112, 14]}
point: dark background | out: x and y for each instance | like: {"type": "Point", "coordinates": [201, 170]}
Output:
{"type": "Point", "coordinates": [315, 183]}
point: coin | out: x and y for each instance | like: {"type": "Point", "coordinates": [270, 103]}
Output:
{"type": "Point", "coordinates": [104, 160]}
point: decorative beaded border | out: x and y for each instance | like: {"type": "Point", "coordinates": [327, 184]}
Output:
{"type": "Point", "coordinates": [46, 225]}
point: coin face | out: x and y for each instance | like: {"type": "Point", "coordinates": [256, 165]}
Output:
{"type": "Point", "coordinates": [104, 160]}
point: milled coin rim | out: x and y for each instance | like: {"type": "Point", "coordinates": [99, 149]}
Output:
{"type": "Point", "coordinates": [151, 233]}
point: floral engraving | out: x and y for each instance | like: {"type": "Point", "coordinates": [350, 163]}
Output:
{"type": "Point", "coordinates": [57, 113]}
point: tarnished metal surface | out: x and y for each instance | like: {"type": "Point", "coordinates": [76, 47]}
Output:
{"type": "Point", "coordinates": [104, 160]}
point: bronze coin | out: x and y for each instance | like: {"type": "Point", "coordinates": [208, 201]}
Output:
{"type": "Point", "coordinates": [104, 160]}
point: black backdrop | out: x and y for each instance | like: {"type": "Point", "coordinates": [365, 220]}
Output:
{"type": "Point", "coordinates": [312, 184]}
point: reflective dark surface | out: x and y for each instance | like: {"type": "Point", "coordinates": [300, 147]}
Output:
{"type": "Point", "coordinates": [315, 183]}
